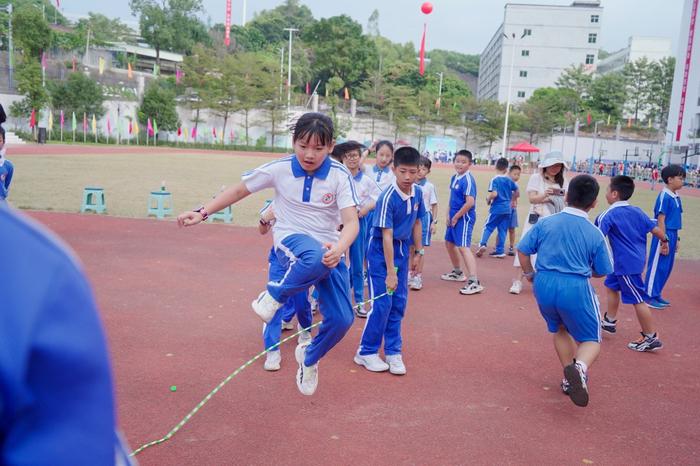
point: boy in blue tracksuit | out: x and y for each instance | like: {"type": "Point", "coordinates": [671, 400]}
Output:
{"type": "Point", "coordinates": [397, 220]}
{"type": "Point", "coordinates": [56, 396]}
{"type": "Point", "coordinates": [6, 169]}
{"type": "Point", "coordinates": [668, 212]}
{"type": "Point", "coordinates": [502, 191]}
{"type": "Point", "coordinates": [570, 249]}
{"type": "Point", "coordinates": [626, 227]}
{"type": "Point", "coordinates": [313, 195]}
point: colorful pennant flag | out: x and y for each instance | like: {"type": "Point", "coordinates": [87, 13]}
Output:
{"type": "Point", "coordinates": [62, 119]}
{"type": "Point", "coordinates": [101, 65]}
{"type": "Point", "coordinates": [94, 124]}
{"type": "Point", "coordinates": [129, 71]}
{"type": "Point", "coordinates": [74, 122]}
{"type": "Point", "coordinates": [149, 127]}
{"type": "Point", "coordinates": [308, 88]}
{"type": "Point", "coordinates": [194, 133]}
{"type": "Point", "coordinates": [155, 127]}
{"type": "Point", "coordinates": [109, 126]}
{"type": "Point", "coordinates": [347, 94]}
{"type": "Point", "coordinates": [32, 119]}
{"type": "Point", "coordinates": [136, 127]}
{"type": "Point", "coordinates": [50, 120]}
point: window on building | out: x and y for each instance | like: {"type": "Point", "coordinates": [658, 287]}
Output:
{"type": "Point", "coordinates": [523, 74]}
{"type": "Point", "coordinates": [521, 94]}
{"type": "Point", "coordinates": [525, 53]}
{"type": "Point", "coordinates": [592, 38]}
{"type": "Point", "coordinates": [590, 59]}
{"type": "Point", "coordinates": [595, 18]}
{"type": "Point", "coordinates": [527, 32]}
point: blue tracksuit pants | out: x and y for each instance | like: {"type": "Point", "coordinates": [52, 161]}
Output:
{"type": "Point", "coordinates": [357, 260]}
{"type": "Point", "coordinates": [297, 304]}
{"type": "Point", "coordinates": [500, 222]}
{"type": "Point", "coordinates": [659, 267]}
{"type": "Point", "coordinates": [384, 320]}
{"type": "Point", "coordinates": [301, 256]}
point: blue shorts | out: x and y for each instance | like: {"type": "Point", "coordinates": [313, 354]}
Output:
{"type": "Point", "coordinates": [426, 222]}
{"type": "Point", "coordinates": [568, 301]}
{"type": "Point", "coordinates": [631, 288]}
{"type": "Point", "coordinates": [461, 234]}
{"type": "Point", "coordinates": [513, 219]}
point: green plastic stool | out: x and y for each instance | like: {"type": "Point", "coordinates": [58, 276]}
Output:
{"type": "Point", "coordinates": [93, 199]}
{"type": "Point", "coordinates": [160, 204]}
{"type": "Point", "coordinates": [225, 215]}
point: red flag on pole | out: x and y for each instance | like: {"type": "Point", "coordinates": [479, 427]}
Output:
{"type": "Point", "coordinates": [194, 133]}
{"type": "Point", "coordinates": [421, 68]}
{"type": "Point", "coordinates": [227, 34]}
{"type": "Point", "coordinates": [62, 119]}
{"type": "Point", "coordinates": [589, 119]}
{"type": "Point", "coordinates": [213, 131]}
{"type": "Point", "coordinates": [347, 94]}
{"type": "Point", "coordinates": [75, 66]}
{"type": "Point", "coordinates": [308, 88]}
{"type": "Point", "coordinates": [179, 131]}
{"type": "Point", "coordinates": [131, 127]}
{"type": "Point", "coordinates": [32, 119]}
{"type": "Point", "coordinates": [58, 3]}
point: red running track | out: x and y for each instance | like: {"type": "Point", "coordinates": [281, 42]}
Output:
{"type": "Point", "coordinates": [482, 384]}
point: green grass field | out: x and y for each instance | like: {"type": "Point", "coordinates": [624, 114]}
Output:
{"type": "Point", "coordinates": [55, 182]}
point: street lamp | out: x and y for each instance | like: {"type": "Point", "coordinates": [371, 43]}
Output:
{"type": "Point", "coordinates": [595, 138]}
{"type": "Point", "coordinates": [510, 85]}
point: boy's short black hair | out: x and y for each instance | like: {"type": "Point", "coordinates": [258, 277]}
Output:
{"type": "Point", "coordinates": [340, 150]}
{"type": "Point", "coordinates": [513, 168]}
{"type": "Point", "coordinates": [583, 192]}
{"type": "Point", "coordinates": [624, 185]}
{"type": "Point", "coordinates": [407, 155]}
{"type": "Point", "coordinates": [425, 162]}
{"type": "Point", "coordinates": [501, 164]}
{"type": "Point", "coordinates": [670, 171]}
{"type": "Point", "coordinates": [313, 124]}
{"type": "Point", "coordinates": [465, 153]}
{"type": "Point", "coordinates": [2, 133]}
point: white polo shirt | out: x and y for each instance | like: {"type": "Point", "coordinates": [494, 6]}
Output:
{"type": "Point", "coordinates": [367, 189]}
{"type": "Point", "coordinates": [429, 194]}
{"type": "Point", "coordinates": [383, 177]}
{"type": "Point", "coordinates": [306, 204]}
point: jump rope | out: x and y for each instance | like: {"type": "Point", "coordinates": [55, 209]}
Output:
{"type": "Point", "coordinates": [209, 396]}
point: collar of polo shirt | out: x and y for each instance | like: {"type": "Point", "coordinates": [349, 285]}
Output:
{"type": "Point", "coordinates": [402, 194]}
{"type": "Point", "coordinates": [459, 177]}
{"type": "Point", "coordinates": [358, 177]}
{"type": "Point", "coordinates": [620, 204]}
{"type": "Point", "coordinates": [383, 170]}
{"type": "Point", "coordinates": [320, 173]}
{"type": "Point", "coordinates": [670, 193]}
{"type": "Point", "coordinates": [576, 212]}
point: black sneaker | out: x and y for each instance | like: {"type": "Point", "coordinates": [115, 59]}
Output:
{"type": "Point", "coordinates": [565, 386]}
{"type": "Point", "coordinates": [497, 255]}
{"type": "Point", "coordinates": [646, 343]}
{"type": "Point", "coordinates": [511, 252]}
{"type": "Point", "coordinates": [608, 325]}
{"type": "Point", "coordinates": [578, 390]}
{"type": "Point", "coordinates": [361, 312]}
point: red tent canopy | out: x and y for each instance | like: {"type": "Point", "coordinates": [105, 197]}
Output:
{"type": "Point", "coordinates": [523, 147]}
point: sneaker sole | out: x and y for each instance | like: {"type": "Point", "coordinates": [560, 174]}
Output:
{"type": "Point", "coordinates": [272, 369]}
{"type": "Point", "coordinates": [480, 252]}
{"type": "Point", "coordinates": [469, 293]}
{"type": "Point", "coordinates": [361, 315]}
{"type": "Point", "coordinates": [497, 256]}
{"type": "Point", "coordinates": [299, 379]}
{"type": "Point", "coordinates": [361, 362]}
{"type": "Point", "coordinates": [397, 372]}
{"type": "Point", "coordinates": [450, 279]}
{"type": "Point", "coordinates": [608, 330]}
{"type": "Point", "coordinates": [577, 392]}
{"type": "Point", "coordinates": [647, 349]}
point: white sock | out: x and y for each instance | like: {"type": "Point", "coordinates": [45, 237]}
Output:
{"type": "Point", "coordinates": [583, 365]}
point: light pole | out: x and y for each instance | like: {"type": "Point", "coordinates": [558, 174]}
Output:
{"type": "Point", "coordinates": [245, 7]}
{"type": "Point", "coordinates": [441, 74]}
{"type": "Point", "coordinates": [289, 76]}
{"type": "Point", "coordinates": [9, 43]}
{"type": "Point", "coordinates": [576, 125]}
{"type": "Point", "coordinates": [563, 138]}
{"type": "Point", "coordinates": [595, 137]}
{"type": "Point", "coordinates": [510, 85]}
{"type": "Point", "coordinates": [669, 152]}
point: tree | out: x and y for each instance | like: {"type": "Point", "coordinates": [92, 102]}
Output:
{"type": "Point", "coordinates": [169, 24]}
{"type": "Point", "coordinates": [608, 95]}
{"type": "Point", "coordinates": [199, 81]}
{"type": "Point", "coordinates": [29, 84]}
{"type": "Point", "coordinates": [636, 75]}
{"type": "Point", "coordinates": [425, 112]}
{"type": "Point", "coordinates": [159, 104]}
{"type": "Point", "coordinates": [577, 80]}
{"type": "Point", "coordinates": [373, 24]}
{"type": "Point", "coordinates": [489, 126]}
{"type": "Point", "coordinates": [31, 31]}
{"type": "Point", "coordinates": [271, 23]}
{"type": "Point", "coordinates": [78, 94]}
{"type": "Point", "coordinates": [454, 61]}
{"type": "Point", "coordinates": [333, 88]}
{"type": "Point", "coordinates": [400, 105]}
{"type": "Point", "coordinates": [340, 49]}
{"type": "Point", "coordinates": [254, 80]}
{"type": "Point", "coordinates": [660, 80]}
{"type": "Point", "coordinates": [103, 29]}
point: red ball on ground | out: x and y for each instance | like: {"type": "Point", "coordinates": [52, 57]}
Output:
{"type": "Point", "coordinates": [426, 8]}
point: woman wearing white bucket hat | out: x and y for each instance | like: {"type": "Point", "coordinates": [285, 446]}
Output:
{"type": "Point", "coordinates": [546, 191]}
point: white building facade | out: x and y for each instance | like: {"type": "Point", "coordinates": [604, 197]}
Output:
{"type": "Point", "coordinates": [651, 48]}
{"type": "Point", "coordinates": [540, 41]}
{"type": "Point", "coordinates": [684, 116]}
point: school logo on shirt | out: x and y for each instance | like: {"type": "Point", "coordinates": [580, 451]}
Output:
{"type": "Point", "coordinates": [415, 207]}
{"type": "Point", "coordinates": [328, 198]}
{"type": "Point", "coordinates": [2, 177]}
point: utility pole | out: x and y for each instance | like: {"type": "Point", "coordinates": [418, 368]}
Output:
{"type": "Point", "coordinates": [576, 125]}
{"type": "Point", "coordinates": [510, 86]}
{"type": "Point", "coordinates": [281, 71]}
{"type": "Point", "coordinates": [245, 7]}
{"type": "Point", "coordinates": [9, 44]}
{"type": "Point", "coordinates": [595, 138]}
{"type": "Point", "coordinates": [289, 76]}
{"type": "Point", "coordinates": [441, 74]}
{"type": "Point", "coordinates": [87, 48]}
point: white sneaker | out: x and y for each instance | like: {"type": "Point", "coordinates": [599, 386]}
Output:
{"type": "Point", "coordinates": [372, 362]}
{"type": "Point", "coordinates": [313, 302]}
{"type": "Point", "coordinates": [272, 361]}
{"type": "Point", "coordinates": [287, 325]}
{"type": "Point", "coordinates": [304, 337]}
{"type": "Point", "coordinates": [307, 377]}
{"type": "Point", "coordinates": [417, 283]}
{"type": "Point", "coordinates": [454, 277]}
{"type": "Point", "coordinates": [472, 288]}
{"type": "Point", "coordinates": [480, 252]}
{"type": "Point", "coordinates": [266, 306]}
{"type": "Point", "coordinates": [517, 287]}
{"type": "Point", "coordinates": [396, 365]}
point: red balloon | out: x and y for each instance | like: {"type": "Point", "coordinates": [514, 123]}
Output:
{"type": "Point", "coordinates": [426, 8]}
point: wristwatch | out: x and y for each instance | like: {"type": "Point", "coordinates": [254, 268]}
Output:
{"type": "Point", "coordinates": [665, 240]}
{"type": "Point", "coordinates": [202, 211]}
{"type": "Point", "coordinates": [420, 252]}
{"type": "Point", "coordinates": [528, 275]}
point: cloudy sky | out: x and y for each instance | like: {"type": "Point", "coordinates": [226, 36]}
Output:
{"type": "Point", "coordinates": [461, 25]}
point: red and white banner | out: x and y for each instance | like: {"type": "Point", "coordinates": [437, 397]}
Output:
{"type": "Point", "coordinates": [686, 70]}
{"type": "Point", "coordinates": [227, 34]}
